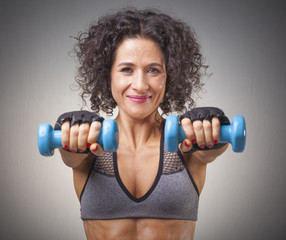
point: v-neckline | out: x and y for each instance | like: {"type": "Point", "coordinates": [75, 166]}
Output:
{"type": "Point", "coordinates": [157, 178]}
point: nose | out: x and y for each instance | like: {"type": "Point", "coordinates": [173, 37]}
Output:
{"type": "Point", "coordinates": [140, 81]}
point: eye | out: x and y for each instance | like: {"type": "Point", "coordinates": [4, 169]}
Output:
{"type": "Point", "coordinates": [153, 70]}
{"type": "Point", "coordinates": [126, 70]}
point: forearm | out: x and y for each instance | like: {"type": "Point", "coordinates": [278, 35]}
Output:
{"type": "Point", "coordinates": [208, 156]}
{"type": "Point", "coordinates": [72, 159]}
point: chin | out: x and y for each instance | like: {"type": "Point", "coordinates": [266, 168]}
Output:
{"type": "Point", "coordinates": [140, 115]}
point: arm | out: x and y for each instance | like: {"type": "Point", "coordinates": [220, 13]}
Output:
{"type": "Point", "coordinates": [207, 156]}
{"type": "Point", "coordinates": [197, 164]}
{"type": "Point", "coordinates": [73, 160]}
{"type": "Point", "coordinates": [202, 128]}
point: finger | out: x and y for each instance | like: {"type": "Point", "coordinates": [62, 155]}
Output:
{"type": "Point", "coordinates": [94, 131]}
{"type": "Point", "coordinates": [199, 132]}
{"type": "Point", "coordinates": [208, 133]}
{"type": "Point", "coordinates": [65, 134]}
{"type": "Point", "coordinates": [96, 149]}
{"type": "Point", "coordinates": [74, 130]}
{"type": "Point", "coordinates": [216, 130]}
{"type": "Point", "coordinates": [82, 136]}
{"type": "Point", "coordinates": [186, 145]}
{"type": "Point", "coordinates": [188, 130]}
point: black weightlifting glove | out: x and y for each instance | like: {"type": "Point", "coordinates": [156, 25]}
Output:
{"type": "Point", "coordinates": [206, 113]}
{"type": "Point", "coordinates": [77, 117]}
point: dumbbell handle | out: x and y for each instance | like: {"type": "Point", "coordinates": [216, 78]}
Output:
{"type": "Point", "coordinates": [49, 139]}
{"type": "Point", "coordinates": [234, 133]}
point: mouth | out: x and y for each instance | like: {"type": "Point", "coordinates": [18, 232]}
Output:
{"type": "Point", "coordinates": [138, 99]}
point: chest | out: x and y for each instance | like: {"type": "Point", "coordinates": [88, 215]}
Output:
{"type": "Point", "coordinates": [138, 171]}
{"type": "Point", "coordinates": [124, 185]}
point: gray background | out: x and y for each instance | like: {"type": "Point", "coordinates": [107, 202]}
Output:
{"type": "Point", "coordinates": [244, 43]}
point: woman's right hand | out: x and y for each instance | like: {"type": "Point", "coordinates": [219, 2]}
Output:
{"type": "Point", "coordinates": [80, 130]}
{"type": "Point", "coordinates": [80, 137]}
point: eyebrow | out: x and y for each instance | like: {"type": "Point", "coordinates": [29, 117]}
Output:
{"type": "Point", "coordinates": [131, 64]}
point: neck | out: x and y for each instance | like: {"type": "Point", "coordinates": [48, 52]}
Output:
{"type": "Point", "coordinates": [139, 133]}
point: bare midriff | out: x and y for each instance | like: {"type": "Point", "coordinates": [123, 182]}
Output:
{"type": "Point", "coordinates": [139, 229]}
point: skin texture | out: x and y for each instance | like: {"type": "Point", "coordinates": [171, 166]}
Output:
{"type": "Point", "coordinates": [138, 79]}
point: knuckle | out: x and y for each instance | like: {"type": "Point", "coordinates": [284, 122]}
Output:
{"type": "Point", "coordinates": [216, 124]}
{"type": "Point", "coordinates": [74, 131]}
{"type": "Point", "coordinates": [198, 126]}
{"type": "Point", "coordinates": [185, 122]}
{"type": "Point", "coordinates": [65, 126]}
{"type": "Point", "coordinates": [207, 125]}
{"type": "Point", "coordinates": [84, 128]}
{"type": "Point", "coordinates": [96, 124]}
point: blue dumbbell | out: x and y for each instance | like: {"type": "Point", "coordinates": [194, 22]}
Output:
{"type": "Point", "coordinates": [49, 139]}
{"type": "Point", "coordinates": [234, 133]}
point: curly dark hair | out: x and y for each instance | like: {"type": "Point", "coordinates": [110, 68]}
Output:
{"type": "Point", "coordinates": [96, 48]}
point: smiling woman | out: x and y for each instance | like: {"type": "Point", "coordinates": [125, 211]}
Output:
{"type": "Point", "coordinates": [97, 47]}
{"type": "Point", "coordinates": [138, 75]}
{"type": "Point", "coordinates": [139, 61]}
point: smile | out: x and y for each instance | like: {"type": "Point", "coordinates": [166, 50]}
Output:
{"type": "Point", "coordinates": [138, 99]}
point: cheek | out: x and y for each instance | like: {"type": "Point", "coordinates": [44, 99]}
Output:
{"type": "Point", "coordinates": [114, 88]}
{"type": "Point", "coordinates": [118, 86]}
{"type": "Point", "coordinates": [161, 85]}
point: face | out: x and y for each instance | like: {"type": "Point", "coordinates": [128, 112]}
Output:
{"type": "Point", "coordinates": [138, 77]}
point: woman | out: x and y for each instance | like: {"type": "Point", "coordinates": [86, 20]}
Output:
{"type": "Point", "coordinates": [140, 61]}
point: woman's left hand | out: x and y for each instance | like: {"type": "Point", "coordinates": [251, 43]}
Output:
{"type": "Point", "coordinates": [202, 128]}
{"type": "Point", "coordinates": [206, 134]}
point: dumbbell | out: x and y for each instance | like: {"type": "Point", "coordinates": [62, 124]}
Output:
{"type": "Point", "coordinates": [49, 139]}
{"type": "Point", "coordinates": [234, 133]}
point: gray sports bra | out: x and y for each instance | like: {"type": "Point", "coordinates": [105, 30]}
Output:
{"type": "Point", "coordinates": [173, 195]}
